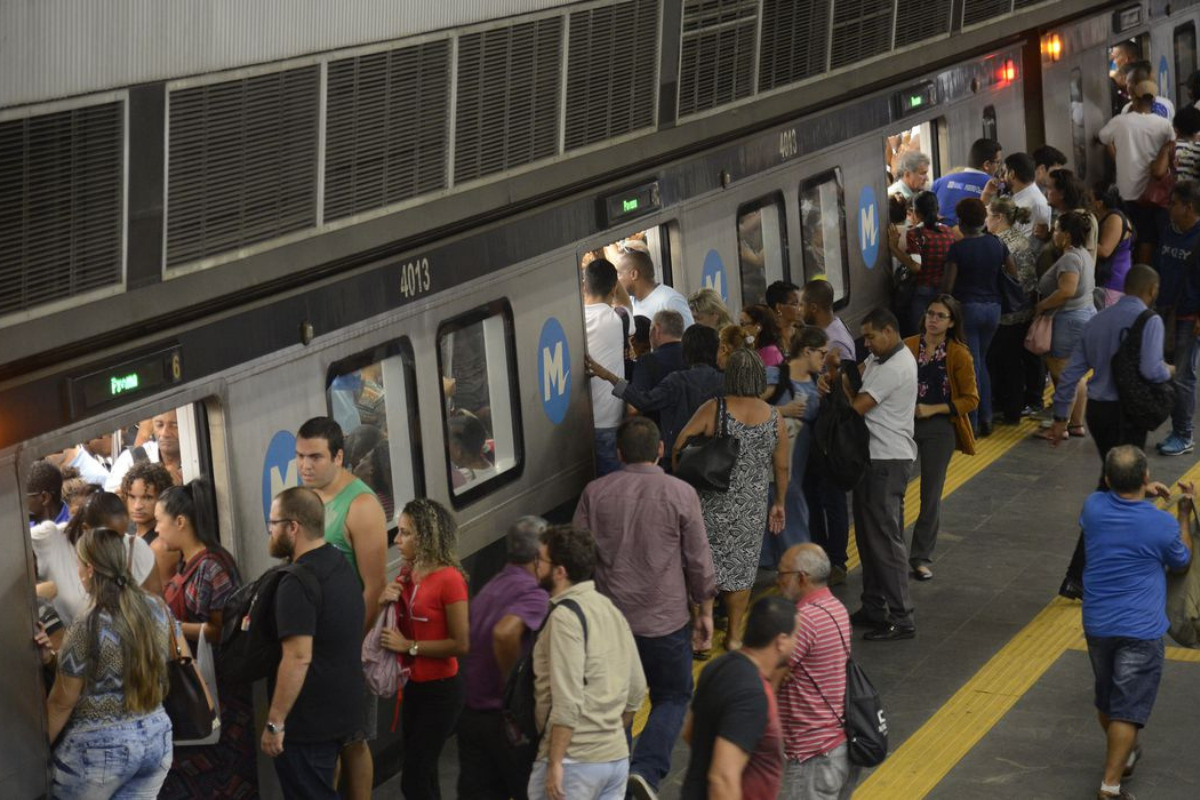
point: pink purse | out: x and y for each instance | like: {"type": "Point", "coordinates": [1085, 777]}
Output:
{"type": "Point", "coordinates": [381, 667]}
{"type": "Point", "coordinates": [1040, 335]}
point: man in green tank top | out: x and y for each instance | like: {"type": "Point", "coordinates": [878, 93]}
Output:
{"type": "Point", "coordinates": [356, 525]}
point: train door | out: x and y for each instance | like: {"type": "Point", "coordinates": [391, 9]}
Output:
{"type": "Point", "coordinates": [899, 147]}
{"type": "Point", "coordinates": [1076, 75]}
{"type": "Point", "coordinates": [1183, 41]}
{"type": "Point", "coordinates": [1127, 49]}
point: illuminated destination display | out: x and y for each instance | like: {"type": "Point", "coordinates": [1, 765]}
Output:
{"type": "Point", "coordinates": [914, 99]}
{"type": "Point", "coordinates": [111, 385]}
{"type": "Point", "coordinates": [635, 201]}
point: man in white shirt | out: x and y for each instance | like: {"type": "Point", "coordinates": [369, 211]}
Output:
{"type": "Point", "coordinates": [1135, 140]}
{"type": "Point", "coordinates": [1022, 183]}
{"type": "Point", "coordinates": [912, 174]}
{"type": "Point", "coordinates": [887, 401]}
{"type": "Point", "coordinates": [635, 270]}
{"type": "Point", "coordinates": [164, 449]}
{"type": "Point", "coordinates": [606, 346]}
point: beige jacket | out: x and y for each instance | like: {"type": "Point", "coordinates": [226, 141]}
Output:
{"type": "Point", "coordinates": [614, 682]}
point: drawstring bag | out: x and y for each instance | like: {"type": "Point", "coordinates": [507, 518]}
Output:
{"type": "Point", "coordinates": [381, 667]}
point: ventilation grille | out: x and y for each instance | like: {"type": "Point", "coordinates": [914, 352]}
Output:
{"type": "Point", "coordinates": [918, 20]}
{"type": "Point", "coordinates": [1020, 4]}
{"type": "Point", "coordinates": [611, 78]}
{"type": "Point", "coordinates": [795, 42]}
{"type": "Point", "coordinates": [716, 63]}
{"type": "Point", "coordinates": [980, 10]}
{"type": "Point", "coordinates": [508, 97]}
{"type": "Point", "coordinates": [242, 163]}
{"type": "Point", "coordinates": [61, 198]}
{"type": "Point", "coordinates": [386, 127]}
{"type": "Point", "coordinates": [862, 29]}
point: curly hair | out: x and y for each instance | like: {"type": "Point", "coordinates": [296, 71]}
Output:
{"type": "Point", "coordinates": [151, 473]}
{"type": "Point", "coordinates": [436, 533]}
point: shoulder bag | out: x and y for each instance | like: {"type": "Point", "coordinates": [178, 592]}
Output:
{"type": "Point", "coordinates": [706, 462]}
{"type": "Point", "coordinates": [381, 667]}
{"type": "Point", "coordinates": [188, 703]}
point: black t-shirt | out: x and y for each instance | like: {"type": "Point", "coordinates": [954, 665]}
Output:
{"type": "Point", "coordinates": [730, 702]}
{"type": "Point", "coordinates": [330, 705]}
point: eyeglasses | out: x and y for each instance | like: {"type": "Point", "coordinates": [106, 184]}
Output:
{"type": "Point", "coordinates": [937, 315]}
{"type": "Point", "coordinates": [272, 522]}
{"type": "Point", "coordinates": [783, 572]}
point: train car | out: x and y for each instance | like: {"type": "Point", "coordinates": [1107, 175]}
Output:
{"type": "Point", "coordinates": [487, 321]}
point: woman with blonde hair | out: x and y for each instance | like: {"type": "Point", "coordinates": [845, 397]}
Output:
{"type": "Point", "coordinates": [433, 632]}
{"type": "Point", "coordinates": [709, 309]}
{"type": "Point", "coordinates": [111, 681]}
{"type": "Point", "coordinates": [731, 339]}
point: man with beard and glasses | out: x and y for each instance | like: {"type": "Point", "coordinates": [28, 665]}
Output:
{"type": "Point", "coordinates": [317, 692]}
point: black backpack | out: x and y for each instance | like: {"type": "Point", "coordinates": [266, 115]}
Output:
{"type": "Point", "coordinates": [863, 720]}
{"type": "Point", "coordinates": [250, 647]}
{"type": "Point", "coordinates": [1145, 404]}
{"type": "Point", "coordinates": [841, 441]}
{"type": "Point", "coordinates": [520, 718]}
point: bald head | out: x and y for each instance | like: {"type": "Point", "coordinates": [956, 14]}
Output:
{"type": "Point", "coordinates": [1126, 470]}
{"type": "Point", "coordinates": [803, 569]}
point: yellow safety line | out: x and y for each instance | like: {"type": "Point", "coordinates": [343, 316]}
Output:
{"type": "Point", "coordinates": [928, 755]}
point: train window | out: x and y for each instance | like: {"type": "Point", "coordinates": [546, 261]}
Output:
{"type": "Point", "coordinates": [477, 362]}
{"type": "Point", "coordinates": [823, 230]}
{"type": "Point", "coordinates": [372, 395]}
{"type": "Point", "coordinates": [762, 247]}
{"type": "Point", "coordinates": [989, 123]}
{"type": "Point", "coordinates": [1185, 61]}
{"type": "Point", "coordinates": [1079, 143]}
{"type": "Point", "coordinates": [917, 139]}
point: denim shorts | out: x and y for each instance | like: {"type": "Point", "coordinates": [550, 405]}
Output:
{"type": "Point", "coordinates": [125, 760]}
{"type": "Point", "coordinates": [1128, 672]}
{"type": "Point", "coordinates": [1068, 330]}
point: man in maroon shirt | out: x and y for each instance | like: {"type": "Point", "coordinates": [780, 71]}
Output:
{"type": "Point", "coordinates": [654, 563]}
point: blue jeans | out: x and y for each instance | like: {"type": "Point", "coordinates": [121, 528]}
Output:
{"type": "Point", "coordinates": [667, 662]}
{"type": "Point", "coordinates": [606, 452]}
{"type": "Point", "coordinates": [127, 760]}
{"type": "Point", "coordinates": [1185, 378]}
{"type": "Point", "coordinates": [980, 321]}
{"type": "Point", "coordinates": [604, 780]}
{"type": "Point", "coordinates": [795, 527]}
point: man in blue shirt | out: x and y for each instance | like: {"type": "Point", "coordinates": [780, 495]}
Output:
{"type": "Point", "coordinates": [1095, 350]}
{"type": "Point", "coordinates": [1129, 542]}
{"type": "Point", "coordinates": [985, 159]}
{"type": "Point", "coordinates": [1175, 259]}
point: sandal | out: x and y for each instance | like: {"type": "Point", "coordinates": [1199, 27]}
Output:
{"type": "Point", "coordinates": [1045, 434]}
{"type": "Point", "coordinates": [1078, 431]}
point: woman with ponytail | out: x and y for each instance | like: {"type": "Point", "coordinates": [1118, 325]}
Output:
{"type": "Point", "coordinates": [1114, 246]}
{"type": "Point", "coordinates": [111, 681]}
{"type": "Point", "coordinates": [197, 594]}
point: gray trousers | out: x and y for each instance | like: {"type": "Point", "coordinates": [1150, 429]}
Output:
{"type": "Point", "coordinates": [935, 444]}
{"type": "Point", "coordinates": [826, 777]}
{"type": "Point", "coordinates": [879, 531]}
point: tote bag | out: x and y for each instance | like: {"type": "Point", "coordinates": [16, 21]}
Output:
{"type": "Point", "coordinates": [1041, 334]}
{"type": "Point", "coordinates": [188, 703]}
{"type": "Point", "coordinates": [207, 665]}
{"type": "Point", "coordinates": [707, 462]}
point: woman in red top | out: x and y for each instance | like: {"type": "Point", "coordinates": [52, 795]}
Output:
{"type": "Point", "coordinates": [928, 244]}
{"type": "Point", "coordinates": [433, 631]}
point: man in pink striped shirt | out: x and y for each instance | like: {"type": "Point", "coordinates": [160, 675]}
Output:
{"type": "Point", "coordinates": [812, 696]}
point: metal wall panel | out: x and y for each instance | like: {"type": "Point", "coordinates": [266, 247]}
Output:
{"type": "Point", "coordinates": [57, 48]}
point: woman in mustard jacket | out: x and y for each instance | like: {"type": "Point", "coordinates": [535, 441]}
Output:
{"type": "Point", "coordinates": [946, 394]}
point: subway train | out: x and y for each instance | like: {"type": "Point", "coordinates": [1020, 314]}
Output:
{"type": "Point", "coordinates": [485, 321]}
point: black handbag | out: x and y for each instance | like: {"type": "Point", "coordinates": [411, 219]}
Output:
{"type": "Point", "coordinates": [706, 462]}
{"type": "Point", "coordinates": [1013, 296]}
{"type": "Point", "coordinates": [187, 702]}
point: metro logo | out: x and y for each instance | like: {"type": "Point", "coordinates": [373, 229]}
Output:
{"type": "Point", "coordinates": [870, 226]}
{"type": "Point", "coordinates": [553, 372]}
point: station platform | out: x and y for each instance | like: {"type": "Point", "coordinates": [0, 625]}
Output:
{"type": "Point", "coordinates": [993, 698]}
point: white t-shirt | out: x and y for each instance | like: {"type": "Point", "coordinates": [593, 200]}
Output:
{"type": "Point", "coordinates": [1138, 138]}
{"type": "Point", "coordinates": [893, 384]}
{"type": "Point", "coordinates": [124, 462]}
{"type": "Point", "coordinates": [605, 344]}
{"type": "Point", "coordinates": [90, 468]}
{"type": "Point", "coordinates": [1031, 197]}
{"type": "Point", "coordinates": [1163, 107]}
{"type": "Point", "coordinates": [662, 297]}
{"type": "Point", "coordinates": [57, 562]}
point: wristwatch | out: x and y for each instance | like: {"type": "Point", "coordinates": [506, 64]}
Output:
{"type": "Point", "coordinates": [274, 729]}
{"type": "Point", "coordinates": [413, 647]}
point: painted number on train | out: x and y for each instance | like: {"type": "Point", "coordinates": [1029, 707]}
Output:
{"type": "Point", "coordinates": [279, 468]}
{"type": "Point", "coordinates": [868, 226]}
{"type": "Point", "coordinates": [414, 277]}
{"type": "Point", "coordinates": [554, 370]}
{"type": "Point", "coordinates": [788, 144]}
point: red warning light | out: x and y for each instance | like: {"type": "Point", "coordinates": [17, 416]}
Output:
{"type": "Point", "coordinates": [1009, 71]}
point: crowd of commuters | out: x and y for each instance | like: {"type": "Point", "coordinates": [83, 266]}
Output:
{"type": "Point", "coordinates": [132, 571]}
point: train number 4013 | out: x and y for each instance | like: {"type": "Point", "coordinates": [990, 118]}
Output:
{"type": "Point", "coordinates": [788, 146]}
{"type": "Point", "coordinates": [414, 278]}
